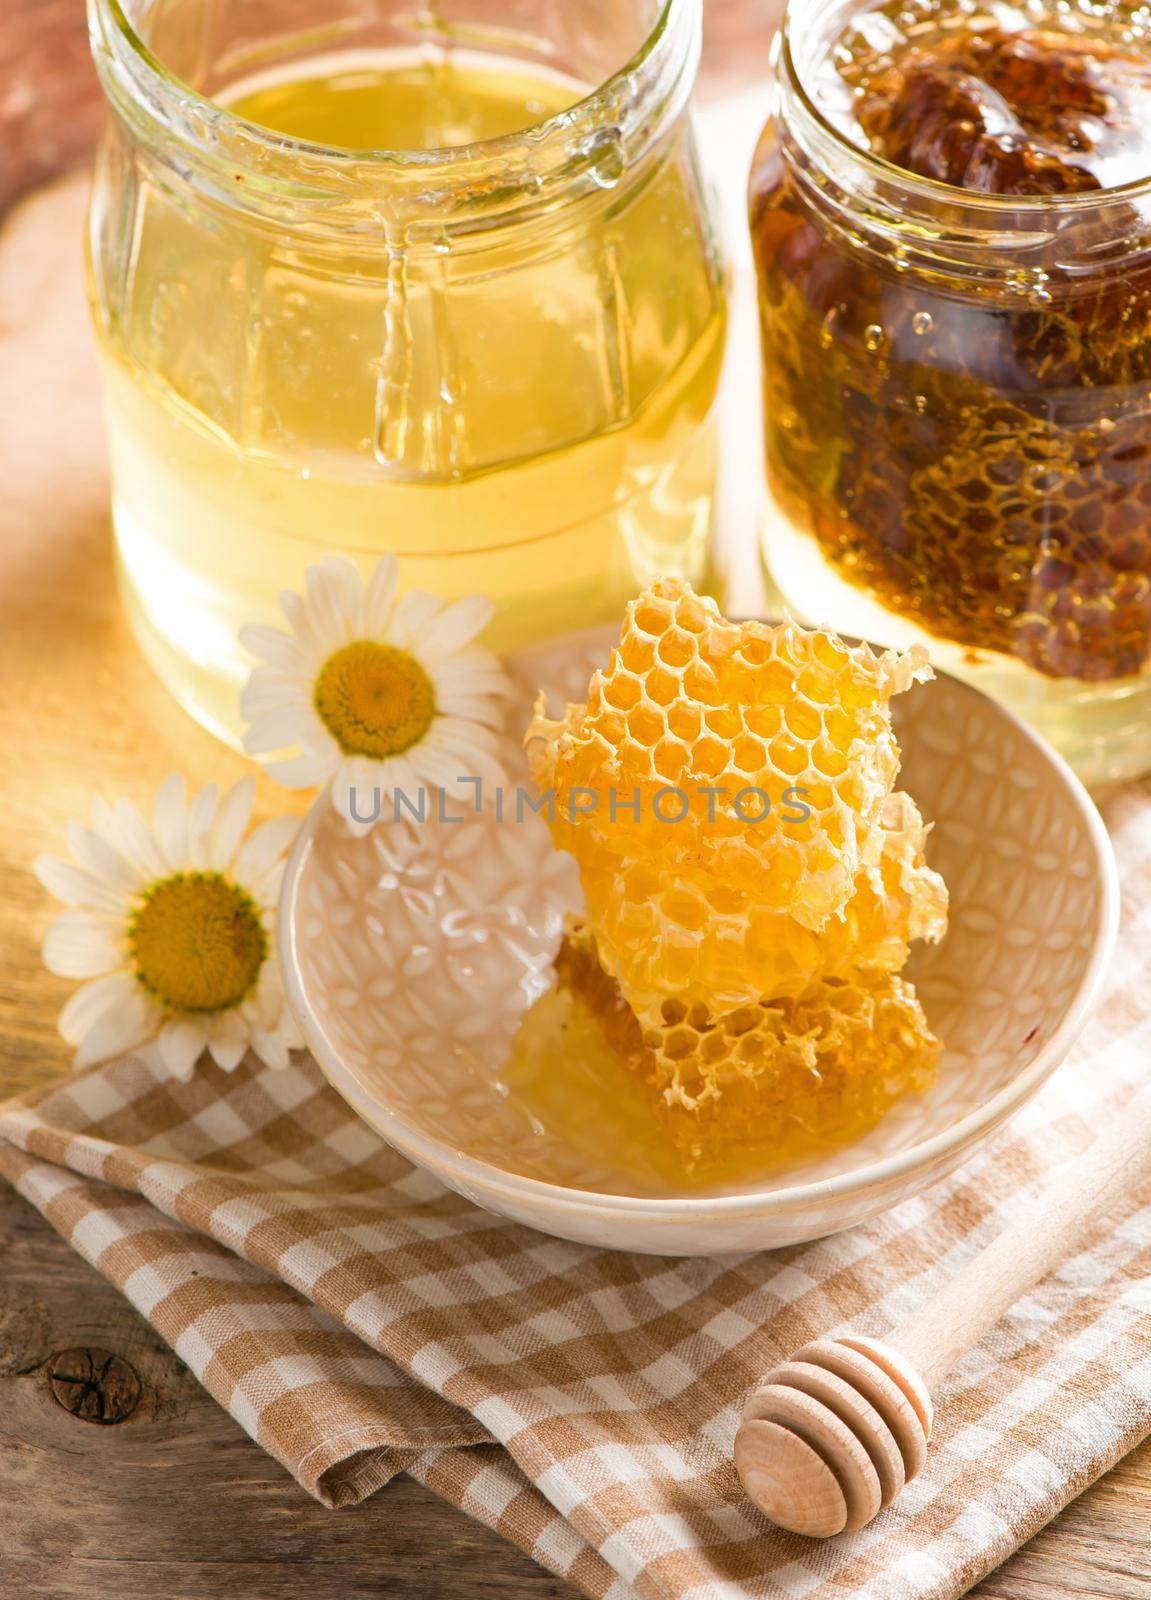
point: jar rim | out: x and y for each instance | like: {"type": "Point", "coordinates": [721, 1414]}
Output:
{"type": "Point", "coordinates": [674, 20]}
{"type": "Point", "coordinates": [932, 191]}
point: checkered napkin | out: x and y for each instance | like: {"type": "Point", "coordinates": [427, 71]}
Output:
{"type": "Point", "coordinates": [359, 1320]}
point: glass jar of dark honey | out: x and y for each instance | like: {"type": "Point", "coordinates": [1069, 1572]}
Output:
{"type": "Point", "coordinates": [951, 216]}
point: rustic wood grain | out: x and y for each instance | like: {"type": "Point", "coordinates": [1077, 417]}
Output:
{"type": "Point", "coordinates": [175, 1503]}
{"type": "Point", "coordinates": [49, 99]}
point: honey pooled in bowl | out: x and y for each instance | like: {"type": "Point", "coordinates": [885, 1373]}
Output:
{"type": "Point", "coordinates": [753, 884]}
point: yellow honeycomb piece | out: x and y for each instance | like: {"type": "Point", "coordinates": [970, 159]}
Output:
{"type": "Point", "coordinates": [780, 1078]}
{"type": "Point", "coordinates": [897, 900]}
{"type": "Point", "coordinates": [744, 959]}
{"type": "Point", "coordinates": [717, 904]}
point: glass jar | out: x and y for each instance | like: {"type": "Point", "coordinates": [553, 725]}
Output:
{"type": "Point", "coordinates": [392, 277]}
{"type": "Point", "coordinates": [958, 382]}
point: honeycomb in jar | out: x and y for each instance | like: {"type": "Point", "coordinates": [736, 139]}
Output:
{"type": "Point", "coordinates": [993, 112]}
{"type": "Point", "coordinates": [751, 960]}
{"type": "Point", "coordinates": [1015, 534]}
{"type": "Point", "coordinates": [996, 105]}
{"type": "Point", "coordinates": [973, 456]}
{"type": "Point", "coordinates": [713, 906]}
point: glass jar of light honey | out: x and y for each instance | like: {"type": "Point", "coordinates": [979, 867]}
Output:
{"type": "Point", "coordinates": [951, 216]}
{"type": "Point", "coordinates": [419, 278]}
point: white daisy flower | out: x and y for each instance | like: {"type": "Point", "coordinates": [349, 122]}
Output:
{"type": "Point", "coordinates": [375, 693]}
{"type": "Point", "coordinates": [173, 927]}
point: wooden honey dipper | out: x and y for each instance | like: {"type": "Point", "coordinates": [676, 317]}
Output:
{"type": "Point", "coordinates": [831, 1437]}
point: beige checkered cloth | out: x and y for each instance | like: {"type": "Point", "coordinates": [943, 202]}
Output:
{"type": "Point", "coordinates": [358, 1320]}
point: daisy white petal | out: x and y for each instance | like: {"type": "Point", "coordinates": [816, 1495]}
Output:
{"type": "Point", "coordinates": [471, 700]}
{"type": "Point", "coordinates": [279, 649]}
{"type": "Point", "coordinates": [441, 771]}
{"type": "Point", "coordinates": [442, 768]}
{"type": "Point", "coordinates": [456, 733]}
{"type": "Point", "coordinates": [266, 892]}
{"type": "Point", "coordinates": [306, 771]}
{"type": "Point", "coordinates": [475, 659]}
{"type": "Point", "coordinates": [201, 820]}
{"type": "Point", "coordinates": [80, 945]}
{"type": "Point", "coordinates": [266, 1007]}
{"type": "Point", "coordinates": [474, 669]}
{"type": "Point", "coordinates": [103, 817]}
{"type": "Point", "coordinates": [228, 1041]}
{"type": "Point", "coordinates": [312, 648]}
{"type": "Point", "coordinates": [274, 730]}
{"type": "Point", "coordinates": [170, 821]}
{"type": "Point", "coordinates": [380, 597]}
{"type": "Point", "coordinates": [283, 1027]}
{"type": "Point", "coordinates": [267, 846]}
{"type": "Point", "coordinates": [391, 791]}
{"type": "Point", "coordinates": [491, 777]}
{"type": "Point", "coordinates": [74, 887]}
{"type": "Point", "coordinates": [97, 855]}
{"type": "Point", "coordinates": [137, 841]}
{"type": "Point", "coordinates": [333, 593]}
{"type": "Point", "coordinates": [271, 1048]}
{"type": "Point", "coordinates": [399, 777]}
{"type": "Point", "coordinates": [231, 824]}
{"type": "Point", "coordinates": [360, 791]}
{"type": "Point", "coordinates": [266, 692]}
{"type": "Point", "coordinates": [269, 1013]}
{"type": "Point", "coordinates": [494, 773]}
{"type": "Point", "coordinates": [295, 611]}
{"type": "Point", "coordinates": [182, 1043]}
{"type": "Point", "coordinates": [85, 1008]}
{"type": "Point", "coordinates": [471, 708]}
{"type": "Point", "coordinates": [345, 585]}
{"type": "Point", "coordinates": [120, 1029]}
{"type": "Point", "coordinates": [288, 1033]}
{"type": "Point", "coordinates": [456, 626]}
{"type": "Point", "coordinates": [414, 613]}
{"type": "Point", "coordinates": [360, 822]}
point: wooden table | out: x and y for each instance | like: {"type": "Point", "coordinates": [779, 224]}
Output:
{"type": "Point", "coordinates": [175, 1502]}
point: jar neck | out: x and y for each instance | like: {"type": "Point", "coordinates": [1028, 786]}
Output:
{"type": "Point", "coordinates": [1013, 243]}
{"type": "Point", "coordinates": [582, 151]}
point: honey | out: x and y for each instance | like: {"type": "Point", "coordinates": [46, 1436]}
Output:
{"type": "Point", "coordinates": [955, 293]}
{"type": "Point", "coordinates": [580, 1072]}
{"type": "Point", "coordinates": [431, 299]}
{"type": "Point", "coordinates": [744, 962]}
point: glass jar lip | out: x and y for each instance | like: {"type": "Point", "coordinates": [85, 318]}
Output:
{"type": "Point", "coordinates": [932, 191]}
{"type": "Point", "coordinates": [602, 96]}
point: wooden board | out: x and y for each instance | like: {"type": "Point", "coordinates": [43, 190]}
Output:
{"type": "Point", "coordinates": [175, 1503]}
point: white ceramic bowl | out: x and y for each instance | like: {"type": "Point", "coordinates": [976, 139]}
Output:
{"type": "Point", "coordinates": [409, 957]}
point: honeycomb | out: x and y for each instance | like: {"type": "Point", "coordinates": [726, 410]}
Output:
{"type": "Point", "coordinates": [745, 961]}
{"type": "Point", "coordinates": [990, 111]}
{"type": "Point", "coordinates": [1068, 562]}
{"type": "Point", "coordinates": [714, 908]}
{"type": "Point", "coordinates": [799, 1071]}
{"type": "Point", "coordinates": [975, 457]}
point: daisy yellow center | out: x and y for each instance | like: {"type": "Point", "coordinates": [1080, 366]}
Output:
{"type": "Point", "coordinates": [374, 700]}
{"type": "Point", "coordinates": [198, 942]}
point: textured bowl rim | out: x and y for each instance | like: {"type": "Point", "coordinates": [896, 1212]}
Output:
{"type": "Point", "coordinates": [498, 1183]}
